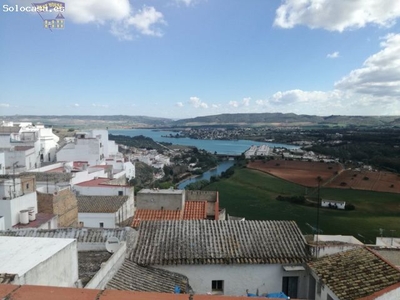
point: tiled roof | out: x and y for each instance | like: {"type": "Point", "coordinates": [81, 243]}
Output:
{"type": "Point", "coordinates": [31, 292]}
{"type": "Point", "coordinates": [355, 273]}
{"type": "Point", "coordinates": [219, 242]}
{"type": "Point", "coordinates": [6, 278]}
{"type": "Point", "coordinates": [195, 210]}
{"type": "Point", "coordinates": [100, 204]}
{"type": "Point", "coordinates": [133, 277]}
{"type": "Point", "coordinates": [154, 214]}
{"type": "Point", "coordinates": [82, 235]}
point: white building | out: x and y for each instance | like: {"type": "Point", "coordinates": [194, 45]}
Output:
{"type": "Point", "coordinates": [103, 187]}
{"type": "Point", "coordinates": [228, 257]}
{"type": "Point", "coordinates": [18, 204]}
{"type": "Point", "coordinates": [92, 147]}
{"type": "Point", "coordinates": [104, 211]}
{"type": "Point", "coordinates": [333, 204]}
{"type": "Point", "coordinates": [26, 136]}
{"type": "Point", "coordinates": [40, 261]}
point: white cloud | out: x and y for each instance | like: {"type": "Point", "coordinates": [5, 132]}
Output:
{"type": "Point", "coordinates": [4, 105]}
{"type": "Point", "coordinates": [337, 15]}
{"type": "Point", "coordinates": [246, 101]}
{"type": "Point", "coordinates": [145, 20]}
{"type": "Point", "coordinates": [197, 103]}
{"type": "Point", "coordinates": [185, 2]}
{"type": "Point", "coordinates": [215, 105]}
{"type": "Point", "coordinates": [179, 104]}
{"type": "Point", "coordinates": [76, 105]}
{"type": "Point", "coordinates": [233, 103]}
{"type": "Point", "coordinates": [333, 55]}
{"type": "Point", "coordinates": [121, 17]}
{"type": "Point", "coordinates": [100, 105]}
{"type": "Point", "coordinates": [380, 73]}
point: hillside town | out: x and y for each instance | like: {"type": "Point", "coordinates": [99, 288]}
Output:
{"type": "Point", "coordinates": [91, 235]}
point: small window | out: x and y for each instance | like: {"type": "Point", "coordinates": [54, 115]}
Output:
{"type": "Point", "coordinates": [217, 286]}
{"type": "Point", "coordinates": [120, 193]}
{"type": "Point", "coordinates": [101, 225]}
{"type": "Point", "coordinates": [27, 186]}
{"type": "Point", "coordinates": [81, 224]}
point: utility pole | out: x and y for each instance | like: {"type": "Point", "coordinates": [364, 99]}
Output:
{"type": "Point", "coordinates": [319, 179]}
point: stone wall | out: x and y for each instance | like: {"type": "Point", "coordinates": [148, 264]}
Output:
{"type": "Point", "coordinates": [62, 203]}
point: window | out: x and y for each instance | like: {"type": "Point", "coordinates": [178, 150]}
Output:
{"type": "Point", "coordinates": [120, 193]}
{"type": "Point", "coordinates": [81, 224]}
{"type": "Point", "coordinates": [289, 286]}
{"type": "Point", "coordinates": [27, 186]}
{"type": "Point", "coordinates": [49, 156]}
{"type": "Point", "coordinates": [217, 287]}
{"type": "Point", "coordinates": [101, 224]}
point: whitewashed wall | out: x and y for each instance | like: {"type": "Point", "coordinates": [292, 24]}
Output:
{"type": "Point", "coordinates": [10, 208]}
{"type": "Point", "coordinates": [103, 190]}
{"type": "Point", "coordinates": [93, 220]}
{"type": "Point", "coordinates": [237, 278]}
{"type": "Point", "coordinates": [61, 269]}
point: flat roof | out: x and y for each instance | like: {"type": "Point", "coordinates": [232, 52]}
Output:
{"type": "Point", "coordinates": [18, 255]}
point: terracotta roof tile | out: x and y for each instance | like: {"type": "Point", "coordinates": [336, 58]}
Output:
{"type": "Point", "coordinates": [219, 242]}
{"type": "Point", "coordinates": [129, 295]}
{"type": "Point", "coordinates": [195, 210]}
{"type": "Point", "coordinates": [133, 277]}
{"type": "Point", "coordinates": [100, 204]}
{"type": "Point", "coordinates": [30, 292]}
{"type": "Point", "coordinates": [6, 289]}
{"type": "Point", "coordinates": [51, 293]}
{"type": "Point", "coordinates": [153, 215]}
{"type": "Point", "coordinates": [355, 273]}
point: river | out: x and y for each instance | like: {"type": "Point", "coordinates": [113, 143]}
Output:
{"type": "Point", "coordinates": [228, 147]}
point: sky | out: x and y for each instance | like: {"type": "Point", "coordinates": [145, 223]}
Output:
{"type": "Point", "coordinates": [187, 58]}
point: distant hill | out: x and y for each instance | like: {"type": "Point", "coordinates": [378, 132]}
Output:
{"type": "Point", "coordinates": [116, 121]}
{"type": "Point", "coordinates": [259, 119]}
{"type": "Point", "coordinates": [245, 119]}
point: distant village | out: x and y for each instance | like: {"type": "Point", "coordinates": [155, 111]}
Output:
{"type": "Point", "coordinates": [72, 227]}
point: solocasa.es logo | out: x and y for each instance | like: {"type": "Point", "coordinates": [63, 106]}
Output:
{"type": "Point", "coordinates": [53, 9]}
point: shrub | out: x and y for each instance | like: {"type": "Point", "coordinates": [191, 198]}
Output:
{"type": "Point", "coordinates": [349, 207]}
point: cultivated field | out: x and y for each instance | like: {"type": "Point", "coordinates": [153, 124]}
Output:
{"type": "Point", "coordinates": [252, 194]}
{"type": "Point", "coordinates": [367, 180]}
{"type": "Point", "coordinates": [301, 172]}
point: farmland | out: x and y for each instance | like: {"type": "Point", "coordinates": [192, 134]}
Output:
{"type": "Point", "coordinates": [300, 172]}
{"type": "Point", "coordinates": [367, 180]}
{"type": "Point", "coordinates": [252, 194]}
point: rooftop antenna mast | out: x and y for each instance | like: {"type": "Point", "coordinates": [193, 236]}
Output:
{"type": "Point", "coordinates": [15, 192]}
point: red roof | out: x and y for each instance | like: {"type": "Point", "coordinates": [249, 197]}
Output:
{"type": "Point", "coordinates": [154, 215]}
{"type": "Point", "coordinates": [194, 210]}
{"type": "Point", "coordinates": [31, 292]}
{"type": "Point", "coordinates": [41, 218]}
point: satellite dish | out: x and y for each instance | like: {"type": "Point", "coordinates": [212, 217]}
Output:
{"type": "Point", "coordinates": [112, 244]}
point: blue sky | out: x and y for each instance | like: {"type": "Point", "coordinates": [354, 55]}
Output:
{"type": "Point", "coordinates": [188, 58]}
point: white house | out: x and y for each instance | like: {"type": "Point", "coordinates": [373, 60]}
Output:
{"type": "Point", "coordinates": [104, 211]}
{"type": "Point", "coordinates": [228, 257]}
{"type": "Point", "coordinates": [103, 187]}
{"type": "Point", "coordinates": [84, 148]}
{"type": "Point", "coordinates": [333, 204]}
{"type": "Point", "coordinates": [34, 260]}
{"type": "Point", "coordinates": [26, 135]}
{"type": "Point", "coordinates": [18, 204]}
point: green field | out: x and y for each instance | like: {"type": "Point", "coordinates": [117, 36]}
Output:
{"type": "Point", "coordinates": [252, 194]}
